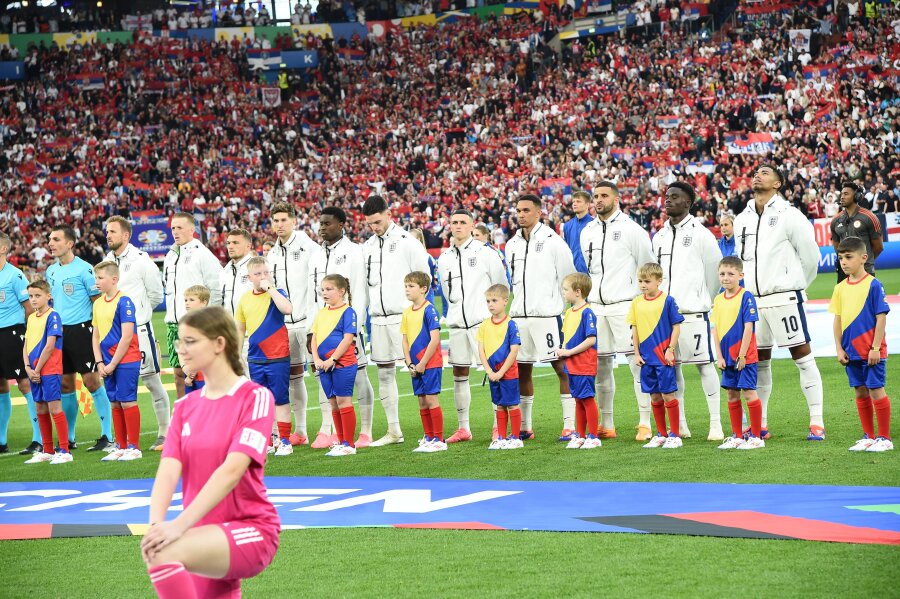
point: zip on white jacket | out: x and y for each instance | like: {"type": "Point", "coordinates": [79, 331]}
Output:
{"type": "Point", "coordinates": [537, 267]}
{"type": "Point", "coordinates": [779, 251]}
{"type": "Point", "coordinates": [466, 271]}
{"type": "Point", "coordinates": [192, 264]}
{"type": "Point", "coordinates": [345, 258]}
{"type": "Point", "coordinates": [613, 251]}
{"type": "Point", "coordinates": [689, 256]}
{"type": "Point", "coordinates": [291, 264]}
{"type": "Point", "coordinates": [139, 279]}
{"type": "Point", "coordinates": [235, 282]}
{"type": "Point", "coordinates": [387, 260]}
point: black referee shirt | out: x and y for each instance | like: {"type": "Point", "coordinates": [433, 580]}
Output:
{"type": "Point", "coordinates": [864, 225]}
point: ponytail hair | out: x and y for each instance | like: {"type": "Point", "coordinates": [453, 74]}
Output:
{"type": "Point", "coordinates": [342, 283]}
{"type": "Point", "coordinates": [214, 322]}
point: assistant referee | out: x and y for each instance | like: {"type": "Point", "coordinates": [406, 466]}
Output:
{"type": "Point", "coordinates": [74, 291]}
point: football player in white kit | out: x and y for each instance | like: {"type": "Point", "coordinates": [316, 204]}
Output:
{"type": "Point", "coordinates": [781, 258]}
{"type": "Point", "coordinates": [389, 255]}
{"type": "Point", "coordinates": [614, 246]}
{"type": "Point", "coordinates": [538, 261]}
{"type": "Point", "coordinates": [188, 262]}
{"type": "Point", "coordinates": [234, 280]}
{"type": "Point", "coordinates": [689, 256]}
{"type": "Point", "coordinates": [289, 260]}
{"type": "Point", "coordinates": [139, 279]}
{"type": "Point", "coordinates": [343, 257]}
{"type": "Point", "coordinates": [466, 270]}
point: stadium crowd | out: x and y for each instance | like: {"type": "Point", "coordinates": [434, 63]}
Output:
{"type": "Point", "coordinates": [470, 113]}
{"type": "Point", "coordinates": [204, 14]}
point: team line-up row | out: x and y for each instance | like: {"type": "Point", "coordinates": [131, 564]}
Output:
{"type": "Point", "coordinates": [287, 323]}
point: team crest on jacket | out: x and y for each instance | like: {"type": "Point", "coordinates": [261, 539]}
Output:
{"type": "Point", "coordinates": [392, 247]}
{"type": "Point", "coordinates": [617, 235]}
{"type": "Point", "coordinates": [773, 220]}
{"type": "Point", "coordinates": [341, 259]}
{"type": "Point", "coordinates": [68, 288]}
{"type": "Point", "coordinates": [126, 268]}
{"type": "Point", "coordinates": [187, 260]}
{"type": "Point", "coordinates": [686, 242]}
{"type": "Point", "coordinates": [539, 246]}
{"type": "Point", "coordinates": [245, 278]}
{"type": "Point", "coordinates": [296, 254]}
{"type": "Point", "coordinates": [473, 261]}
{"type": "Point", "coordinates": [857, 224]}
{"type": "Point", "coordinates": [2, 296]}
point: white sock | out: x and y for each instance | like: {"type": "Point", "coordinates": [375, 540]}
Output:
{"type": "Point", "coordinates": [366, 396]}
{"type": "Point", "coordinates": [462, 397]}
{"type": "Point", "coordinates": [709, 380]}
{"type": "Point", "coordinates": [679, 395]}
{"type": "Point", "coordinates": [568, 410]}
{"type": "Point", "coordinates": [298, 398]}
{"type": "Point", "coordinates": [327, 426]}
{"type": "Point", "coordinates": [390, 398]}
{"type": "Point", "coordinates": [764, 387]}
{"type": "Point", "coordinates": [811, 383]}
{"type": "Point", "coordinates": [160, 399]}
{"type": "Point", "coordinates": [605, 388]}
{"type": "Point", "coordinates": [643, 400]}
{"type": "Point", "coordinates": [526, 403]}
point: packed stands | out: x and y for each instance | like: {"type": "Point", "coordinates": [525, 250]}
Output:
{"type": "Point", "coordinates": [468, 113]}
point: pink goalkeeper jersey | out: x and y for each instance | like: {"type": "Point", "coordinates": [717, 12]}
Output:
{"type": "Point", "coordinates": [204, 431]}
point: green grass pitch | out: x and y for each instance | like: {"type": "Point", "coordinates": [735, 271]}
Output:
{"type": "Point", "coordinates": [408, 563]}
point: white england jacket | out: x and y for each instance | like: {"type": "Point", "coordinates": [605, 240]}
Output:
{"type": "Point", "coordinates": [192, 264]}
{"type": "Point", "coordinates": [779, 251]}
{"type": "Point", "coordinates": [689, 256]}
{"type": "Point", "coordinates": [387, 260]}
{"type": "Point", "coordinates": [613, 251]}
{"type": "Point", "coordinates": [291, 264]}
{"type": "Point", "coordinates": [234, 282]}
{"type": "Point", "coordinates": [139, 279]}
{"type": "Point", "coordinates": [345, 258]}
{"type": "Point", "coordinates": [466, 271]}
{"type": "Point", "coordinates": [537, 267]}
